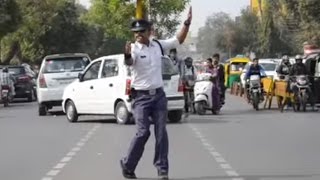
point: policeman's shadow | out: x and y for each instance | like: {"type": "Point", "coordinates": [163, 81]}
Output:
{"type": "Point", "coordinates": [246, 177]}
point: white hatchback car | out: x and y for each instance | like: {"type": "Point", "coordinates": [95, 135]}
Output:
{"type": "Point", "coordinates": [104, 87]}
{"type": "Point", "coordinates": [56, 72]}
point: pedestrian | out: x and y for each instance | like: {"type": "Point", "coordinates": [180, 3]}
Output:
{"type": "Point", "coordinates": [216, 61]}
{"type": "Point", "coordinates": [149, 99]}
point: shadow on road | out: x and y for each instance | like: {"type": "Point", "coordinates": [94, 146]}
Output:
{"type": "Point", "coordinates": [248, 177]}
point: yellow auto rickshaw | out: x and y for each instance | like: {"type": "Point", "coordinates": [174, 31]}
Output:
{"type": "Point", "coordinates": [233, 68]}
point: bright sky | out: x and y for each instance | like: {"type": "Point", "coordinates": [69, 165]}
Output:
{"type": "Point", "coordinates": [204, 8]}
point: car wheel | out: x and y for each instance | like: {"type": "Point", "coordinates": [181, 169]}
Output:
{"type": "Point", "coordinates": [175, 116]}
{"type": "Point", "coordinates": [71, 112]}
{"type": "Point", "coordinates": [122, 114]}
{"type": "Point", "coordinates": [43, 110]}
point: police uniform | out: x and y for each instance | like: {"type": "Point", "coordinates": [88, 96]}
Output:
{"type": "Point", "coordinates": [149, 100]}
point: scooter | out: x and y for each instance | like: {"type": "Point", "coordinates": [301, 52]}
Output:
{"type": "Point", "coordinates": [203, 94]}
{"type": "Point", "coordinates": [6, 96]}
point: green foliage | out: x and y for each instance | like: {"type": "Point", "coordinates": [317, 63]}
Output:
{"type": "Point", "coordinates": [10, 17]}
{"type": "Point", "coordinates": [165, 14]}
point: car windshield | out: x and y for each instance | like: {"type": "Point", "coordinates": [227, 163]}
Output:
{"type": "Point", "coordinates": [16, 70]}
{"type": "Point", "coordinates": [65, 64]}
{"type": "Point", "coordinates": [237, 66]}
{"type": "Point", "coordinates": [268, 66]}
{"type": "Point", "coordinates": [168, 68]}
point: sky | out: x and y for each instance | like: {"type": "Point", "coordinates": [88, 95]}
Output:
{"type": "Point", "coordinates": [201, 9]}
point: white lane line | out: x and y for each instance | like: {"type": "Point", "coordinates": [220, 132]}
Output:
{"type": "Point", "coordinates": [47, 178]}
{"type": "Point", "coordinates": [65, 160]}
{"type": "Point", "coordinates": [60, 166]}
{"type": "Point", "coordinates": [216, 155]}
{"type": "Point", "coordinates": [225, 166]}
{"type": "Point", "coordinates": [76, 149]}
{"type": "Point", "coordinates": [53, 172]}
{"type": "Point", "coordinates": [72, 153]}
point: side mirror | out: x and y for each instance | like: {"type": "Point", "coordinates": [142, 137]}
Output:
{"type": "Point", "coordinates": [80, 77]}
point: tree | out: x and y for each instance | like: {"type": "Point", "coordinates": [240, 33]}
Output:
{"type": "Point", "coordinates": [220, 33]}
{"type": "Point", "coordinates": [47, 27]}
{"type": "Point", "coordinates": [10, 17]}
{"type": "Point", "coordinates": [165, 15]}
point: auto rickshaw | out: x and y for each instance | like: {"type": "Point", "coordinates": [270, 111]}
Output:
{"type": "Point", "coordinates": [233, 68]}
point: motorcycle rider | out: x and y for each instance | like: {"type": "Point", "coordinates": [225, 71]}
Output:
{"type": "Point", "coordinates": [178, 63]}
{"type": "Point", "coordinates": [298, 69]}
{"type": "Point", "coordinates": [7, 80]}
{"type": "Point", "coordinates": [254, 69]}
{"type": "Point", "coordinates": [284, 68]}
{"type": "Point", "coordinates": [188, 78]}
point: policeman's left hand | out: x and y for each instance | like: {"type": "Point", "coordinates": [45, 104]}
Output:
{"type": "Point", "coordinates": [190, 14]}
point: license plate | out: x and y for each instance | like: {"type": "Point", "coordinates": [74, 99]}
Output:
{"type": "Point", "coordinates": [64, 82]}
{"type": "Point", "coordinates": [5, 91]}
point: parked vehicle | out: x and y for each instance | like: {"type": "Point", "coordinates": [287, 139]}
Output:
{"type": "Point", "coordinates": [24, 82]}
{"type": "Point", "coordinates": [56, 72]}
{"type": "Point", "coordinates": [255, 91]}
{"type": "Point", "coordinates": [104, 89]}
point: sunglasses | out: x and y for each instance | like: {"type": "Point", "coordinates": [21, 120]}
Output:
{"type": "Point", "coordinates": [141, 31]}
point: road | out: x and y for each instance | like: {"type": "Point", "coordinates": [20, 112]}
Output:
{"type": "Point", "coordinates": [239, 144]}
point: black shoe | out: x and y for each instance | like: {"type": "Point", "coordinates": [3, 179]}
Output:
{"type": "Point", "coordinates": [126, 173]}
{"type": "Point", "coordinates": [163, 175]}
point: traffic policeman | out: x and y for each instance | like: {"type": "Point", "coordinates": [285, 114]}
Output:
{"type": "Point", "coordinates": [149, 99]}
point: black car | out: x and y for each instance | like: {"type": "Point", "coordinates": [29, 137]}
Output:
{"type": "Point", "coordinates": [25, 81]}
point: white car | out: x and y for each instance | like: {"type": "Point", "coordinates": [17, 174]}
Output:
{"type": "Point", "coordinates": [56, 72]}
{"type": "Point", "coordinates": [104, 87]}
{"type": "Point", "coordinates": [269, 66]}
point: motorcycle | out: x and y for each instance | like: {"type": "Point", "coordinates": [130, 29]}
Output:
{"type": "Point", "coordinates": [255, 91]}
{"type": "Point", "coordinates": [302, 92]}
{"type": "Point", "coordinates": [6, 96]}
{"type": "Point", "coordinates": [203, 94]}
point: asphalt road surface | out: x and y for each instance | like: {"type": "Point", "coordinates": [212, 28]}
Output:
{"type": "Point", "coordinates": [238, 144]}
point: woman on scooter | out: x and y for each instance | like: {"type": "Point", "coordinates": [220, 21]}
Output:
{"type": "Point", "coordinates": [213, 69]}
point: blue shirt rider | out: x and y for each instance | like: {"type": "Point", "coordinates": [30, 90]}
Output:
{"type": "Point", "coordinates": [255, 69]}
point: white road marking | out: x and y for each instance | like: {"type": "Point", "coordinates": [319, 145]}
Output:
{"type": "Point", "coordinates": [216, 155]}
{"type": "Point", "coordinates": [60, 166]}
{"type": "Point", "coordinates": [53, 172]}
{"type": "Point", "coordinates": [66, 159]}
{"type": "Point", "coordinates": [47, 178]}
{"type": "Point", "coordinates": [57, 168]}
{"type": "Point", "coordinates": [225, 166]}
{"type": "Point", "coordinates": [76, 149]}
{"type": "Point", "coordinates": [71, 153]}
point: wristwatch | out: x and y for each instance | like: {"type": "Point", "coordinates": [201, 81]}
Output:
{"type": "Point", "coordinates": [187, 23]}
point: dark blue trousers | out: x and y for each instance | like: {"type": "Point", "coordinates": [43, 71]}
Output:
{"type": "Point", "coordinates": [145, 106]}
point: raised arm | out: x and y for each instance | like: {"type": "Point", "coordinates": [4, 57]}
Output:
{"type": "Point", "coordinates": [185, 29]}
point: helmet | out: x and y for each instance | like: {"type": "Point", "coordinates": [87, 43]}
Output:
{"type": "Point", "coordinates": [285, 57]}
{"type": "Point", "coordinates": [5, 70]}
{"type": "Point", "coordinates": [298, 57]}
{"type": "Point", "coordinates": [188, 59]}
